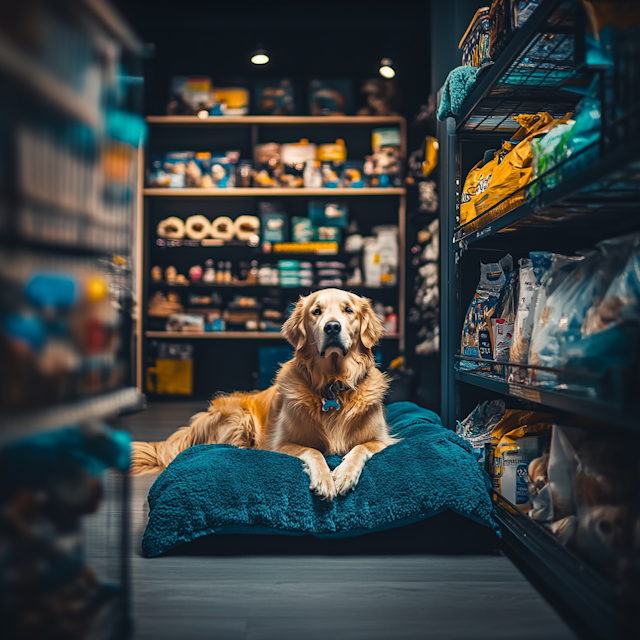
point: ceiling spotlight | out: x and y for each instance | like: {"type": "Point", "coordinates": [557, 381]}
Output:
{"type": "Point", "coordinates": [386, 69]}
{"type": "Point", "coordinates": [260, 56]}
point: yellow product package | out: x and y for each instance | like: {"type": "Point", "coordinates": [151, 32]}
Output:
{"type": "Point", "coordinates": [477, 181]}
{"type": "Point", "coordinates": [515, 170]}
{"type": "Point", "coordinates": [517, 443]}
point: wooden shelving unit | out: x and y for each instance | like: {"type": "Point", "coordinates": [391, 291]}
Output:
{"type": "Point", "coordinates": [269, 335]}
{"type": "Point", "coordinates": [262, 192]}
{"type": "Point", "coordinates": [169, 130]}
{"type": "Point", "coordinates": [276, 120]}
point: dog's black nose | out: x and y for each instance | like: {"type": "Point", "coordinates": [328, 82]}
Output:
{"type": "Point", "coordinates": [332, 328]}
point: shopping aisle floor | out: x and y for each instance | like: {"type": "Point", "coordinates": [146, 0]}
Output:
{"type": "Point", "coordinates": [288, 597]}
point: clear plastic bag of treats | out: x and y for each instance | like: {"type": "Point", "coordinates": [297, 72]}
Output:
{"type": "Point", "coordinates": [564, 314]}
{"type": "Point", "coordinates": [523, 322]}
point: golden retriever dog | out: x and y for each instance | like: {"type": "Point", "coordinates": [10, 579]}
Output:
{"type": "Point", "coordinates": [326, 400]}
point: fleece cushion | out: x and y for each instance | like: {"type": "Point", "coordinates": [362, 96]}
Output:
{"type": "Point", "coordinates": [215, 489]}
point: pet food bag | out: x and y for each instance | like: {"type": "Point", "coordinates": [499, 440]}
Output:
{"type": "Point", "coordinates": [515, 170]}
{"type": "Point", "coordinates": [517, 443]}
{"type": "Point", "coordinates": [502, 324]}
{"type": "Point", "coordinates": [476, 332]}
{"type": "Point", "coordinates": [524, 320]}
{"type": "Point", "coordinates": [564, 314]}
{"type": "Point", "coordinates": [610, 330]}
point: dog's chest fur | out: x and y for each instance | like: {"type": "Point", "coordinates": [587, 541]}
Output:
{"type": "Point", "coordinates": [331, 431]}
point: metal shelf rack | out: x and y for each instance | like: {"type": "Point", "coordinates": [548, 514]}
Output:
{"type": "Point", "coordinates": [595, 197]}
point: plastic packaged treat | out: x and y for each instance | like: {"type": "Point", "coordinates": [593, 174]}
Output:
{"type": "Point", "coordinates": [564, 314]}
{"type": "Point", "coordinates": [609, 336]}
{"type": "Point", "coordinates": [476, 332]}
{"type": "Point", "coordinates": [524, 321]}
{"type": "Point", "coordinates": [550, 271]}
{"type": "Point", "coordinates": [294, 156]}
{"type": "Point", "coordinates": [502, 324]}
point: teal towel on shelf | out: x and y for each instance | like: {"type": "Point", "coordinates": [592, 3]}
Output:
{"type": "Point", "coordinates": [223, 489]}
{"type": "Point", "coordinates": [457, 87]}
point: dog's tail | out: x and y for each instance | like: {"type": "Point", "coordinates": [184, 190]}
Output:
{"type": "Point", "coordinates": [225, 421]}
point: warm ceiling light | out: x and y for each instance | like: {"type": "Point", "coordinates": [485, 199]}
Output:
{"type": "Point", "coordinates": [203, 115]}
{"type": "Point", "coordinates": [260, 56]}
{"type": "Point", "coordinates": [386, 69]}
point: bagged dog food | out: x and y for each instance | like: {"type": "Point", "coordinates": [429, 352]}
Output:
{"type": "Point", "coordinates": [502, 324]}
{"type": "Point", "coordinates": [514, 171]}
{"type": "Point", "coordinates": [610, 330]}
{"type": "Point", "coordinates": [565, 312]}
{"type": "Point", "coordinates": [476, 332]}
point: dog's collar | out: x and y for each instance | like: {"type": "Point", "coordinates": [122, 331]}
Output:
{"type": "Point", "coordinates": [331, 391]}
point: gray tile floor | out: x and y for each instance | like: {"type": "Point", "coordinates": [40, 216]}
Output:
{"type": "Point", "coordinates": [277, 596]}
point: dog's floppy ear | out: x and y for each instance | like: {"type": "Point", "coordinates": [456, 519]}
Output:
{"type": "Point", "coordinates": [371, 329]}
{"type": "Point", "coordinates": [293, 329]}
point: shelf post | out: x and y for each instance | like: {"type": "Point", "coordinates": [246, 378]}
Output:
{"type": "Point", "coordinates": [448, 324]}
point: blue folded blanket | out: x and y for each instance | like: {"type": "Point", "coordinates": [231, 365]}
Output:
{"type": "Point", "coordinates": [222, 489]}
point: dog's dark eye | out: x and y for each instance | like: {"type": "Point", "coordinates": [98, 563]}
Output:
{"type": "Point", "coordinates": [317, 312]}
{"type": "Point", "coordinates": [348, 310]}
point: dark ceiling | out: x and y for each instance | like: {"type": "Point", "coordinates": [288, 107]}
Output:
{"type": "Point", "coordinates": [304, 40]}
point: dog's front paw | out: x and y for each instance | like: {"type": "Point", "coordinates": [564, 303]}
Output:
{"type": "Point", "coordinates": [346, 476]}
{"type": "Point", "coordinates": [322, 483]}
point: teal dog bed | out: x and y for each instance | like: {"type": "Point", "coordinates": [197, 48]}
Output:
{"type": "Point", "coordinates": [221, 489]}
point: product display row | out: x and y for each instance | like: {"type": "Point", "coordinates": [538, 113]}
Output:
{"type": "Point", "coordinates": [278, 97]}
{"type": "Point", "coordinates": [560, 315]}
{"type": "Point", "coordinates": [539, 156]}
{"type": "Point", "coordinates": [294, 165]}
{"type": "Point", "coordinates": [211, 311]}
{"type": "Point", "coordinates": [577, 483]}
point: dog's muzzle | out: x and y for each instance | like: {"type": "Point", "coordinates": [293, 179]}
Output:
{"type": "Point", "coordinates": [333, 338]}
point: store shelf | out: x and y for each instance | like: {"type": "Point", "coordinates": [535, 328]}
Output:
{"type": "Point", "coordinates": [110, 19]}
{"type": "Point", "coordinates": [595, 203]}
{"type": "Point", "coordinates": [244, 285]}
{"type": "Point", "coordinates": [276, 191]}
{"type": "Point", "coordinates": [275, 120]}
{"type": "Point", "coordinates": [585, 593]}
{"type": "Point", "coordinates": [530, 74]}
{"type": "Point", "coordinates": [270, 335]}
{"type": "Point", "coordinates": [45, 86]}
{"type": "Point", "coordinates": [605, 412]}
{"type": "Point", "coordinates": [97, 408]}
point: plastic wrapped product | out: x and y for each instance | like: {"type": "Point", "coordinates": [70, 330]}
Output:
{"type": "Point", "coordinates": [611, 327]}
{"type": "Point", "coordinates": [222, 228]}
{"type": "Point", "coordinates": [550, 271]}
{"type": "Point", "coordinates": [515, 170]}
{"type": "Point", "coordinates": [197, 227]}
{"type": "Point", "coordinates": [302, 229]}
{"type": "Point", "coordinates": [476, 331]}
{"type": "Point", "coordinates": [175, 164]}
{"type": "Point", "coordinates": [518, 439]}
{"type": "Point", "coordinates": [564, 314]}
{"type": "Point", "coordinates": [246, 227]}
{"type": "Point", "coordinates": [502, 324]}
{"type": "Point", "coordinates": [524, 320]}
{"type": "Point", "coordinates": [171, 228]}
{"type": "Point", "coordinates": [294, 157]}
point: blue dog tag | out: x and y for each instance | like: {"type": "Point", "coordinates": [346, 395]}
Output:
{"type": "Point", "coordinates": [330, 404]}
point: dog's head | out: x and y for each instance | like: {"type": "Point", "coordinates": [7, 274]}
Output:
{"type": "Point", "coordinates": [332, 321]}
